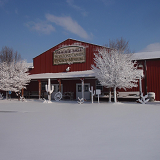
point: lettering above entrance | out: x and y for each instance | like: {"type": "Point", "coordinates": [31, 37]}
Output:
{"type": "Point", "coordinates": [69, 55]}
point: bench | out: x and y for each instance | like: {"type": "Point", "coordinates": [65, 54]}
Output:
{"type": "Point", "coordinates": [29, 94]}
{"type": "Point", "coordinates": [68, 95]}
{"type": "Point", "coordinates": [134, 94]}
{"type": "Point", "coordinates": [34, 94]}
{"type": "Point", "coordinates": [105, 95]}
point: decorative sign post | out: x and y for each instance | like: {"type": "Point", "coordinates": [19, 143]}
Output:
{"type": "Point", "coordinates": [98, 92]}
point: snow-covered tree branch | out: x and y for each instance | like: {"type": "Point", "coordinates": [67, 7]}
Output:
{"type": "Point", "coordinates": [13, 76]}
{"type": "Point", "coordinates": [115, 69]}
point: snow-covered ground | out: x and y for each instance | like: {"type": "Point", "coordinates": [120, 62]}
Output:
{"type": "Point", "coordinates": [69, 131]}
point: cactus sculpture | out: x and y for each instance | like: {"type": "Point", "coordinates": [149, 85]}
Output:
{"type": "Point", "coordinates": [92, 92]}
{"type": "Point", "coordinates": [49, 90]}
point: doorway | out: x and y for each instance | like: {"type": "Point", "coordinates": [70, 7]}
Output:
{"type": "Point", "coordinates": [86, 91]}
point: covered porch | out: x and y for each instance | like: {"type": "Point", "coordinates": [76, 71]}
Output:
{"type": "Point", "coordinates": [71, 84]}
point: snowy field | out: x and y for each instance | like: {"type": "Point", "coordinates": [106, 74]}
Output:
{"type": "Point", "coordinates": [69, 131]}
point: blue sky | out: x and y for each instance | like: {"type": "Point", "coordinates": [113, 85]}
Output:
{"type": "Point", "coordinates": [32, 27]}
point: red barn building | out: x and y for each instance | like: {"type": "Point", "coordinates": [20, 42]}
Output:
{"type": "Point", "coordinates": [150, 63]}
{"type": "Point", "coordinates": [68, 65]}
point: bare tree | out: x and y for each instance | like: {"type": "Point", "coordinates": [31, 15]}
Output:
{"type": "Point", "coordinates": [8, 55]}
{"type": "Point", "coordinates": [120, 45]}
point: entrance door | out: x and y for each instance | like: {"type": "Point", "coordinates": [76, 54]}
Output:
{"type": "Point", "coordinates": [86, 90]}
{"type": "Point", "coordinates": [56, 89]}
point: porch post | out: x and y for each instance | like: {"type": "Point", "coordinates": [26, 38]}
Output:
{"type": "Point", "coordinates": [140, 85]}
{"type": "Point", "coordinates": [110, 95]}
{"type": "Point", "coordinates": [82, 80]}
{"type": "Point", "coordinates": [59, 80]}
{"type": "Point", "coordinates": [39, 91]}
{"type": "Point", "coordinates": [145, 76]}
{"type": "Point", "coordinates": [22, 92]}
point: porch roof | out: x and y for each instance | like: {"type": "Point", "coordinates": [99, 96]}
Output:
{"type": "Point", "coordinates": [77, 74]}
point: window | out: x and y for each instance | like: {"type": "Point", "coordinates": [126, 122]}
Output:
{"type": "Point", "coordinates": [86, 88]}
{"type": "Point", "coordinates": [79, 88]}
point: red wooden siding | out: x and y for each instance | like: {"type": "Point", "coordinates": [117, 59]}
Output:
{"type": "Point", "coordinates": [153, 77]}
{"type": "Point", "coordinates": [44, 62]}
{"type": "Point", "coordinates": [150, 83]}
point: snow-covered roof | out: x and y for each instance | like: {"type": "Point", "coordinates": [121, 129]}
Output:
{"type": "Point", "coordinates": [146, 55]}
{"type": "Point", "coordinates": [30, 65]}
{"type": "Point", "coordinates": [77, 74]}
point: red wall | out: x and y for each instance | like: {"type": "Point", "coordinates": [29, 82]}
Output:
{"type": "Point", "coordinates": [151, 81]}
{"type": "Point", "coordinates": [153, 77]}
{"type": "Point", "coordinates": [44, 62]}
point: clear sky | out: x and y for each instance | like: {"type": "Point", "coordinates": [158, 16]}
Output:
{"type": "Point", "coordinates": [34, 26]}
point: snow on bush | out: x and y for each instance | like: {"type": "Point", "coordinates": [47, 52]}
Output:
{"type": "Point", "coordinates": [115, 69]}
{"type": "Point", "coordinates": [13, 76]}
